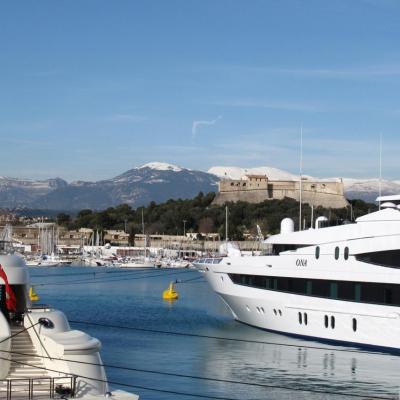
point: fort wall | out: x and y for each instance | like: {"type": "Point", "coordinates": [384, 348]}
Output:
{"type": "Point", "coordinates": [255, 189]}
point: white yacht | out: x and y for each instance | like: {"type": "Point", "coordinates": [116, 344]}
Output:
{"type": "Point", "coordinates": [40, 355]}
{"type": "Point", "coordinates": [143, 262]}
{"type": "Point", "coordinates": [337, 283]}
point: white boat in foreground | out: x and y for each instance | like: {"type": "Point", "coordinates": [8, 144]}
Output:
{"type": "Point", "coordinates": [40, 355]}
{"type": "Point", "coordinates": [339, 283]}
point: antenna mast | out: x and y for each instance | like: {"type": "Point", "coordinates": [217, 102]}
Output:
{"type": "Point", "coordinates": [226, 223]}
{"type": "Point", "coordinates": [380, 167]}
{"type": "Point", "coordinates": [301, 173]}
{"type": "Point", "coordinates": [142, 221]}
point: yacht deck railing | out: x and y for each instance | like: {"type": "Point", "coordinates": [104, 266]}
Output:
{"type": "Point", "coordinates": [31, 388]}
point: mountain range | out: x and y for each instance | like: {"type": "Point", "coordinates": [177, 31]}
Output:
{"type": "Point", "coordinates": [151, 182]}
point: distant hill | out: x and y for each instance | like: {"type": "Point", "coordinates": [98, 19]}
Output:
{"type": "Point", "coordinates": [16, 193]}
{"type": "Point", "coordinates": [368, 189]}
{"type": "Point", "coordinates": [155, 181]}
{"type": "Point", "coordinates": [139, 186]}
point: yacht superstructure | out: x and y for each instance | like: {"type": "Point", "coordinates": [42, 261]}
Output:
{"type": "Point", "coordinates": [40, 355]}
{"type": "Point", "coordinates": [339, 283]}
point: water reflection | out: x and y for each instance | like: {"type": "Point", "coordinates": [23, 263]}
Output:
{"type": "Point", "coordinates": [289, 363]}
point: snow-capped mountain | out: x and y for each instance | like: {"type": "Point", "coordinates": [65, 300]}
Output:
{"type": "Point", "coordinates": [155, 181]}
{"type": "Point", "coordinates": [368, 189]}
{"type": "Point", "coordinates": [139, 186]}
{"type": "Point", "coordinates": [19, 192]}
{"type": "Point", "coordinates": [159, 166]}
{"type": "Point", "coordinates": [238, 173]}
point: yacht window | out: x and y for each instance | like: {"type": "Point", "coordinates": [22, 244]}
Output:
{"type": "Point", "coordinates": [305, 319]}
{"type": "Point", "coordinates": [346, 290]}
{"type": "Point", "coordinates": [357, 291]}
{"type": "Point", "coordinates": [387, 258]}
{"type": "Point", "coordinates": [361, 292]}
{"type": "Point", "coordinates": [387, 296]}
{"type": "Point", "coordinates": [309, 287]}
{"type": "Point", "coordinates": [333, 290]}
{"type": "Point", "coordinates": [326, 321]}
{"type": "Point", "coordinates": [332, 322]}
{"type": "Point", "coordinates": [317, 252]}
{"type": "Point", "coordinates": [320, 288]}
{"type": "Point", "coordinates": [346, 253]}
{"type": "Point", "coordinates": [278, 248]}
{"type": "Point", "coordinates": [300, 318]}
{"type": "Point", "coordinates": [46, 323]}
{"type": "Point", "coordinates": [337, 253]}
{"type": "Point", "coordinates": [354, 324]}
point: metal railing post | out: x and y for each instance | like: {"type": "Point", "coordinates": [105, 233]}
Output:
{"type": "Point", "coordinates": [8, 389]}
{"type": "Point", "coordinates": [73, 385]}
{"type": "Point", "coordinates": [52, 388]}
{"type": "Point", "coordinates": [30, 388]}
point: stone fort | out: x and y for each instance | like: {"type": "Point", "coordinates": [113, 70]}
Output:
{"type": "Point", "coordinates": [257, 188]}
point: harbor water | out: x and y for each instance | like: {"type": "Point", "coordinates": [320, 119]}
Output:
{"type": "Point", "coordinates": [280, 368]}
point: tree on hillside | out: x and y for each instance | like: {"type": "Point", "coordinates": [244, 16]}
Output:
{"type": "Point", "coordinates": [63, 219]}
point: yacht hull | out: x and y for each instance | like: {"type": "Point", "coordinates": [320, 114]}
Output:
{"type": "Point", "coordinates": [310, 317]}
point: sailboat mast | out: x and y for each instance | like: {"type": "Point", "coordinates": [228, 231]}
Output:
{"type": "Point", "coordinates": [380, 167]}
{"type": "Point", "coordinates": [301, 179]}
{"type": "Point", "coordinates": [142, 222]}
{"type": "Point", "coordinates": [226, 223]}
{"type": "Point", "coordinates": [144, 236]}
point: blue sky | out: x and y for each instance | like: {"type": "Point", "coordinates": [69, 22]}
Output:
{"type": "Point", "coordinates": [89, 89]}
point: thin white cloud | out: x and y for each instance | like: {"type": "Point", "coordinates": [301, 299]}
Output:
{"type": "Point", "coordinates": [272, 105]}
{"type": "Point", "coordinates": [125, 118]}
{"type": "Point", "coordinates": [197, 124]}
{"type": "Point", "coordinates": [351, 72]}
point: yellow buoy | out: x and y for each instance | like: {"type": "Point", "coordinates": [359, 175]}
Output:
{"type": "Point", "coordinates": [170, 293]}
{"type": "Point", "coordinates": [33, 295]}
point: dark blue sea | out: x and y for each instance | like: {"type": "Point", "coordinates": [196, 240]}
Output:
{"type": "Point", "coordinates": [283, 368]}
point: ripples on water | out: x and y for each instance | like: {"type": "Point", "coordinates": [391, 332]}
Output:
{"type": "Point", "coordinates": [133, 298]}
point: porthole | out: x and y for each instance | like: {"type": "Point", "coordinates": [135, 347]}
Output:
{"type": "Point", "coordinates": [332, 322]}
{"type": "Point", "coordinates": [354, 325]}
{"type": "Point", "coordinates": [300, 318]}
{"type": "Point", "coordinates": [262, 310]}
{"type": "Point", "coordinates": [346, 253]}
{"type": "Point", "coordinates": [275, 312]}
{"type": "Point", "coordinates": [326, 321]}
{"type": "Point", "coordinates": [336, 253]}
{"type": "Point", "coordinates": [258, 309]}
{"type": "Point", "coordinates": [317, 252]}
{"type": "Point", "coordinates": [305, 318]}
{"type": "Point", "coordinates": [280, 312]}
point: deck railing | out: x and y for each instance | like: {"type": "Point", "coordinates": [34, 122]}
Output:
{"type": "Point", "coordinates": [29, 388]}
